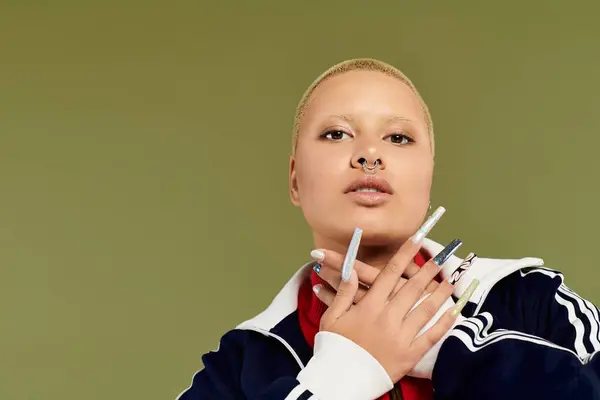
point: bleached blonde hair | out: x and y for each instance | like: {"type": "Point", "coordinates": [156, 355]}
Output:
{"type": "Point", "coordinates": [357, 64]}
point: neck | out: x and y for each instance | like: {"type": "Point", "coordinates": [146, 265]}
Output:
{"type": "Point", "coordinates": [375, 255]}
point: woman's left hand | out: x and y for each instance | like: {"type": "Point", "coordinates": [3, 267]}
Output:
{"type": "Point", "coordinates": [331, 272]}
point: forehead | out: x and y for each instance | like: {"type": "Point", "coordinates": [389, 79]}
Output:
{"type": "Point", "coordinates": [359, 92]}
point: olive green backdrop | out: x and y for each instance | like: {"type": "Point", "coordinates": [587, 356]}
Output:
{"type": "Point", "coordinates": [144, 153]}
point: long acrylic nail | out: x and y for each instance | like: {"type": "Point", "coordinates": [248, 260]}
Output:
{"type": "Point", "coordinates": [445, 254]}
{"type": "Point", "coordinates": [351, 254]}
{"type": "Point", "coordinates": [462, 268]}
{"type": "Point", "coordinates": [460, 304]}
{"type": "Point", "coordinates": [428, 225]}
{"type": "Point", "coordinates": [317, 255]}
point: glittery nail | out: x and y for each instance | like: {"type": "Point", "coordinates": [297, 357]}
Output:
{"type": "Point", "coordinates": [351, 254]}
{"type": "Point", "coordinates": [445, 254]}
{"type": "Point", "coordinates": [317, 268]}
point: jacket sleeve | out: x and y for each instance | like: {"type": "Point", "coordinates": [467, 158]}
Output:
{"type": "Point", "coordinates": [533, 338]}
{"type": "Point", "coordinates": [339, 369]}
{"type": "Point", "coordinates": [220, 379]}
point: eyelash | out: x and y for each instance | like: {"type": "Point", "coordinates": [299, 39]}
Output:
{"type": "Point", "coordinates": [402, 135]}
{"type": "Point", "coordinates": [324, 135]}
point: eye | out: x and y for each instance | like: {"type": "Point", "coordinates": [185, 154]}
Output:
{"type": "Point", "coordinates": [335, 135]}
{"type": "Point", "coordinates": [400, 138]}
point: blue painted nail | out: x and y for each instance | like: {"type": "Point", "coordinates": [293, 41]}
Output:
{"type": "Point", "coordinates": [317, 268]}
{"type": "Point", "coordinates": [445, 254]}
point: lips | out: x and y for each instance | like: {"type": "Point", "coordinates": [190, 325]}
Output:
{"type": "Point", "coordinates": [369, 184]}
{"type": "Point", "coordinates": [369, 191]}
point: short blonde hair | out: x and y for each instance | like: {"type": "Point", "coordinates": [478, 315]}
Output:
{"type": "Point", "coordinates": [357, 64]}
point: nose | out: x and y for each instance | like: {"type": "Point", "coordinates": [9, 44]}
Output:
{"type": "Point", "coordinates": [372, 160]}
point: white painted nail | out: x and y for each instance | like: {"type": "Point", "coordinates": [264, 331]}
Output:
{"type": "Point", "coordinates": [317, 255]}
{"type": "Point", "coordinates": [317, 288]}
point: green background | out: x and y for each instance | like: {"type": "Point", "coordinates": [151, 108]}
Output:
{"type": "Point", "coordinates": [144, 152]}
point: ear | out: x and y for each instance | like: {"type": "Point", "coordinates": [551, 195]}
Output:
{"type": "Point", "coordinates": [294, 195]}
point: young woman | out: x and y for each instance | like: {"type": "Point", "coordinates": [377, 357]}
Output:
{"type": "Point", "coordinates": [407, 319]}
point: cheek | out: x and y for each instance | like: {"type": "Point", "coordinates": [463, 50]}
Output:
{"type": "Point", "coordinates": [320, 181]}
{"type": "Point", "coordinates": [421, 180]}
{"type": "Point", "coordinates": [415, 180]}
{"type": "Point", "coordinates": [315, 179]}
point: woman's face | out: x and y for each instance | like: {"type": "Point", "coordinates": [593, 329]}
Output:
{"type": "Point", "coordinates": [353, 116]}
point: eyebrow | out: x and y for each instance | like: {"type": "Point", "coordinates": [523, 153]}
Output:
{"type": "Point", "coordinates": [400, 119]}
{"type": "Point", "coordinates": [350, 118]}
{"type": "Point", "coordinates": [345, 117]}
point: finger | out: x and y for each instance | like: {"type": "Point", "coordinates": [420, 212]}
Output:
{"type": "Point", "coordinates": [366, 273]}
{"type": "Point", "coordinates": [326, 295]}
{"type": "Point", "coordinates": [334, 278]}
{"type": "Point", "coordinates": [342, 300]}
{"type": "Point", "coordinates": [334, 261]}
{"type": "Point", "coordinates": [414, 288]}
{"type": "Point", "coordinates": [389, 276]}
{"type": "Point", "coordinates": [329, 275]}
{"type": "Point", "coordinates": [411, 270]}
{"type": "Point", "coordinates": [431, 336]}
{"type": "Point", "coordinates": [427, 310]}
{"type": "Point", "coordinates": [348, 286]}
{"type": "Point", "coordinates": [427, 340]}
{"type": "Point", "coordinates": [431, 287]}
{"type": "Point", "coordinates": [360, 294]}
{"type": "Point", "coordinates": [330, 266]}
{"type": "Point", "coordinates": [399, 285]}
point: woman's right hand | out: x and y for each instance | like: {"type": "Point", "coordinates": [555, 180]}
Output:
{"type": "Point", "coordinates": [386, 322]}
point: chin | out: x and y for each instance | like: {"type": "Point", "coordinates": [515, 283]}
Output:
{"type": "Point", "coordinates": [376, 232]}
{"type": "Point", "coordinates": [381, 237]}
{"type": "Point", "coordinates": [381, 226]}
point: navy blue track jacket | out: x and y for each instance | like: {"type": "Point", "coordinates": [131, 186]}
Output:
{"type": "Point", "coordinates": [523, 335]}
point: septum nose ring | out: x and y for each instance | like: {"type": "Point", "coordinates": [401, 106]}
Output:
{"type": "Point", "coordinates": [368, 169]}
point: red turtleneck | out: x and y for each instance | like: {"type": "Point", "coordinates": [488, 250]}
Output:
{"type": "Point", "coordinates": [310, 310]}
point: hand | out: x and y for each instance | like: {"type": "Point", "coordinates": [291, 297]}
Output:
{"type": "Point", "coordinates": [386, 322]}
{"type": "Point", "coordinates": [330, 270]}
